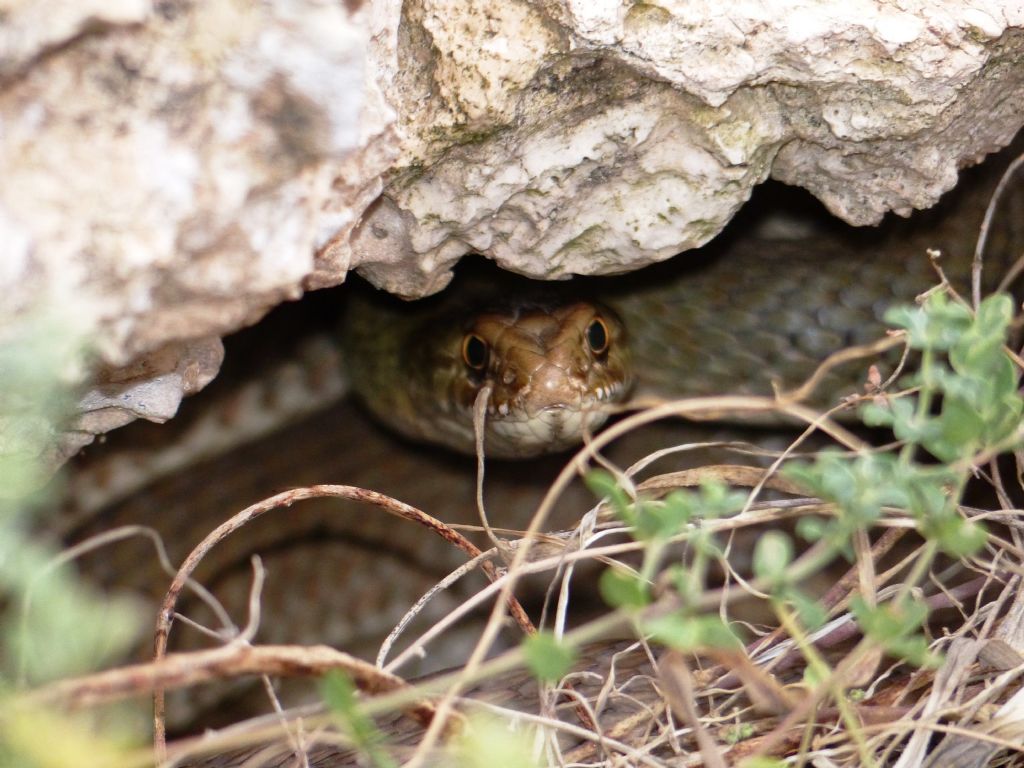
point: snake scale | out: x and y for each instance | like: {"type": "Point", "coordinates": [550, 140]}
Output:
{"type": "Point", "coordinates": [747, 312]}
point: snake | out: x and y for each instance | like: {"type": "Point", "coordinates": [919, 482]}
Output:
{"type": "Point", "coordinates": [551, 361]}
{"type": "Point", "coordinates": [546, 368]}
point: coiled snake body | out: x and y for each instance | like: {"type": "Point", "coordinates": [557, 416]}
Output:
{"type": "Point", "coordinates": [769, 313]}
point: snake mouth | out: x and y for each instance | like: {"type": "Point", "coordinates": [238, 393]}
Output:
{"type": "Point", "coordinates": [523, 428]}
{"type": "Point", "coordinates": [552, 428]}
{"type": "Point", "coordinates": [524, 406]}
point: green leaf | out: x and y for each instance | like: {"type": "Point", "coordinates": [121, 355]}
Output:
{"type": "Point", "coordinates": [927, 493]}
{"type": "Point", "coordinates": [734, 734]}
{"type": "Point", "coordinates": [624, 589]}
{"type": "Point", "coordinates": [718, 500]}
{"type": "Point", "coordinates": [937, 325]}
{"type": "Point", "coordinates": [875, 415]}
{"type": "Point", "coordinates": [688, 585]}
{"type": "Point", "coordinates": [894, 626]}
{"type": "Point", "coordinates": [962, 431]}
{"type": "Point", "coordinates": [773, 553]}
{"type": "Point", "coordinates": [956, 536]}
{"type": "Point", "coordinates": [811, 528]}
{"type": "Point", "coordinates": [717, 634]}
{"type": "Point", "coordinates": [604, 486]}
{"type": "Point", "coordinates": [339, 694]}
{"type": "Point", "coordinates": [664, 519]}
{"type": "Point", "coordinates": [548, 658]}
{"type": "Point", "coordinates": [811, 612]}
{"type": "Point", "coordinates": [687, 632]}
{"type": "Point", "coordinates": [995, 314]}
{"type": "Point", "coordinates": [704, 542]}
{"type": "Point", "coordinates": [675, 630]}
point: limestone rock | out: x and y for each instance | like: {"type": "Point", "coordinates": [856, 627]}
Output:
{"type": "Point", "coordinates": [174, 169]}
{"type": "Point", "coordinates": [170, 169]}
{"type": "Point", "coordinates": [575, 136]}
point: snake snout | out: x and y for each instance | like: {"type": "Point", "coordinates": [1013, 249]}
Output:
{"type": "Point", "coordinates": [552, 386]}
{"type": "Point", "coordinates": [552, 391]}
{"type": "Point", "coordinates": [555, 374]}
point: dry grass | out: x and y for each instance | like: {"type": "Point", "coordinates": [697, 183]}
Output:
{"type": "Point", "coordinates": [632, 703]}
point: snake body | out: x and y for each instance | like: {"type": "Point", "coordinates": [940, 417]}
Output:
{"type": "Point", "coordinates": [552, 366]}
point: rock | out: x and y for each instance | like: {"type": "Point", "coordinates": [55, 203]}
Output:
{"type": "Point", "coordinates": [592, 137]}
{"type": "Point", "coordinates": [173, 169]}
{"type": "Point", "coordinates": [169, 171]}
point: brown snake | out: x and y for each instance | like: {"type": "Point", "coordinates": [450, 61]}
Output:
{"type": "Point", "coordinates": [553, 364]}
{"type": "Point", "coordinates": [551, 367]}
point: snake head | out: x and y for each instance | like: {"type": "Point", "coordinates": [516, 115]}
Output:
{"type": "Point", "coordinates": [553, 370]}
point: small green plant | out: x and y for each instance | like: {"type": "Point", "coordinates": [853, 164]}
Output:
{"type": "Point", "coordinates": [966, 406]}
{"type": "Point", "coordinates": [658, 523]}
{"type": "Point", "coordinates": [962, 408]}
{"type": "Point", "coordinates": [54, 624]}
{"type": "Point", "coordinates": [547, 657]}
{"type": "Point", "coordinates": [339, 693]}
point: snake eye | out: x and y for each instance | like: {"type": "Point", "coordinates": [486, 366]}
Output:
{"type": "Point", "coordinates": [474, 352]}
{"type": "Point", "coordinates": [598, 336]}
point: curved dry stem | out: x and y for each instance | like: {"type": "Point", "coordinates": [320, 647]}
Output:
{"type": "Point", "coordinates": [986, 223]}
{"type": "Point", "coordinates": [285, 499]}
{"type": "Point", "coordinates": [236, 659]}
{"type": "Point", "coordinates": [841, 357]}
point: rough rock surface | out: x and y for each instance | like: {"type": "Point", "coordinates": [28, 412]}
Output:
{"type": "Point", "coordinates": [169, 171]}
{"type": "Point", "coordinates": [174, 169]}
{"type": "Point", "coordinates": [577, 136]}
